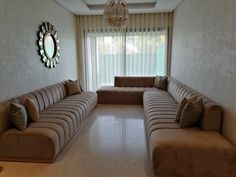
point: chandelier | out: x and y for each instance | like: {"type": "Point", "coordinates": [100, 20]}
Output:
{"type": "Point", "coordinates": [116, 13]}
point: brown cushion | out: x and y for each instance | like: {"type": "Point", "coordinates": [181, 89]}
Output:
{"type": "Point", "coordinates": [18, 115]}
{"type": "Point", "coordinates": [191, 114]}
{"type": "Point", "coordinates": [72, 88]}
{"type": "Point", "coordinates": [79, 84]}
{"type": "Point", "coordinates": [161, 82]}
{"type": "Point", "coordinates": [182, 104]}
{"type": "Point", "coordinates": [31, 109]}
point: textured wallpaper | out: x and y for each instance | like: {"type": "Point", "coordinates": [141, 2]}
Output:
{"type": "Point", "coordinates": [204, 53]}
{"type": "Point", "coordinates": [21, 69]}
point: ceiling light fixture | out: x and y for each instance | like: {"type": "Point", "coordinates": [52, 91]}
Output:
{"type": "Point", "coordinates": [116, 13]}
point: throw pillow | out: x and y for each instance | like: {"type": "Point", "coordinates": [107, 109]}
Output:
{"type": "Point", "coordinates": [18, 115]}
{"type": "Point", "coordinates": [72, 88]}
{"type": "Point", "coordinates": [31, 109]}
{"type": "Point", "coordinates": [78, 82]}
{"type": "Point", "coordinates": [182, 104]}
{"type": "Point", "coordinates": [191, 114]}
{"type": "Point", "coordinates": [161, 82]}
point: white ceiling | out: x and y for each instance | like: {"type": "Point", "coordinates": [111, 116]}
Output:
{"type": "Point", "coordinates": [87, 7]}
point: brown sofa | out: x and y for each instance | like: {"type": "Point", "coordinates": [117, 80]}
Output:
{"type": "Point", "coordinates": [199, 151]}
{"type": "Point", "coordinates": [60, 119]}
{"type": "Point", "coordinates": [126, 90]}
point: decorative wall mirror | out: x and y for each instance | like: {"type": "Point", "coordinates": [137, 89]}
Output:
{"type": "Point", "coordinates": [48, 45]}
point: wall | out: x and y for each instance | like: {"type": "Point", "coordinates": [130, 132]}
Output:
{"type": "Point", "coordinates": [204, 53]}
{"type": "Point", "coordinates": [21, 69]}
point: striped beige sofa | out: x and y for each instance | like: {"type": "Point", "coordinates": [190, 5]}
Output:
{"type": "Point", "coordinates": [199, 151]}
{"type": "Point", "coordinates": [61, 117]}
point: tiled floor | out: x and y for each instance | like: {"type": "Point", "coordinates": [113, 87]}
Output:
{"type": "Point", "coordinates": [112, 144]}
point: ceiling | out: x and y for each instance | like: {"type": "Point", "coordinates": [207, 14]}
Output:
{"type": "Point", "coordinates": [88, 7]}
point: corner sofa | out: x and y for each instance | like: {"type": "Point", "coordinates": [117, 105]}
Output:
{"type": "Point", "coordinates": [61, 117]}
{"type": "Point", "coordinates": [199, 151]}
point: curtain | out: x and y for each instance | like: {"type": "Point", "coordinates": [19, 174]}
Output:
{"type": "Point", "coordinates": [142, 49]}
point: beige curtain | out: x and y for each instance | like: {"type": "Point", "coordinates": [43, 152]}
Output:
{"type": "Point", "coordinates": [136, 21]}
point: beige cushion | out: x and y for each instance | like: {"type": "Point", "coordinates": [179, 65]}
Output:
{"type": "Point", "coordinates": [31, 109]}
{"type": "Point", "coordinates": [18, 115]}
{"type": "Point", "coordinates": [161, 82]}
{"type": "Point", "coordinates": [191, 114]}
{"type": "Point", "coordinates": [72, 88]}
{"type": "Point", "coordinates": [182, 104]}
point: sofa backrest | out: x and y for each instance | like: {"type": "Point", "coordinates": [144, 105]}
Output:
{"type": "Point", "coordinates": [124, 81]}
{"type": "Point", "coordinates": [43, 98]}
{"type": "Point", "coordinates": [48, 96]}
{"type": "Point", "coordinates": [212, 112]}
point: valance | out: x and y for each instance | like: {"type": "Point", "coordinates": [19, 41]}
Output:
{"type": "Point", "coordinates": [136, 21]}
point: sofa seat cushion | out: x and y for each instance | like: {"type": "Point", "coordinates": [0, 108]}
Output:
{"type": "Point", "coordinates": [122, 95]}
{"type": "Point", "coordinates": [87, 99]}
{"type": "Point", "coordinates": [72, 110]}
{"type": "Point", "coordinates": [160, 110]}
{"type": "Point", "coordinates": [181, 152]}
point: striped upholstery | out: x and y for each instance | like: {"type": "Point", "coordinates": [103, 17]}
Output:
{"type": "Point", "coordinates": [60, 119]}
{"type": "Point", "coordinates": [160, 110]}
{"type": "Point", "coordinates": [212, 112]}
{"type": "Point", "coordinates": [190, 151]}
{"type": "Point", "coordinates": [178, 91]}
{"type": "Point", "coordinates": [48, 96]}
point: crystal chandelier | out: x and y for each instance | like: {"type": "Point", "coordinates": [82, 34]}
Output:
{"type": "Point", "coordinates": [116, 13]}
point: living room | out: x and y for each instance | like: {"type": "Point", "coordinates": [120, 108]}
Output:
{"type": "Point", "coordinates": [121, 122]}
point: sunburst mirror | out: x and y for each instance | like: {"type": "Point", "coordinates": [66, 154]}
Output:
{"type": "Point", "coordinates": [48, 45]}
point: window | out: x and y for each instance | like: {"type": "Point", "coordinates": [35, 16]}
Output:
{"type": "Point", "coordinates": [112, 54]}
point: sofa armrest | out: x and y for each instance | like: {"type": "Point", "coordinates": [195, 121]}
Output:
{"type": "Point", "coordinates": [32, 145]}
{"type": "Point", "coordinates": [211, 118]}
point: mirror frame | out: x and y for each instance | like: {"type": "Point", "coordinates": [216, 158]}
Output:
{"type": "Point", "coordinates": [44, 30]}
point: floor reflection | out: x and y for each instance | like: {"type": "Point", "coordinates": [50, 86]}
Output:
{"type": "Point", "coordinates": [117, 133]}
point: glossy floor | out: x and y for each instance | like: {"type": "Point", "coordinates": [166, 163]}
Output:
{"type": "Point", "coordinates": [111, 144]}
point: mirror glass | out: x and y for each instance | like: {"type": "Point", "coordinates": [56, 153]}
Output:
{"type": "Point", "coordinates": [49, 45]}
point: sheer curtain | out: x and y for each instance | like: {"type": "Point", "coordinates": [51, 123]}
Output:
{"type": "Point", "coordinates": [109, 54]}
{"type": "Point", "coordinates": [105, 55]}
{"type": "Point", "coordinates": [139, 50]}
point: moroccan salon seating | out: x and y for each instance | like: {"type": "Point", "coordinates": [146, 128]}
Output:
{"type": "Point", "coordinates": [199, 151]}
{"type": "Point", "coordinates": [61, 117]}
